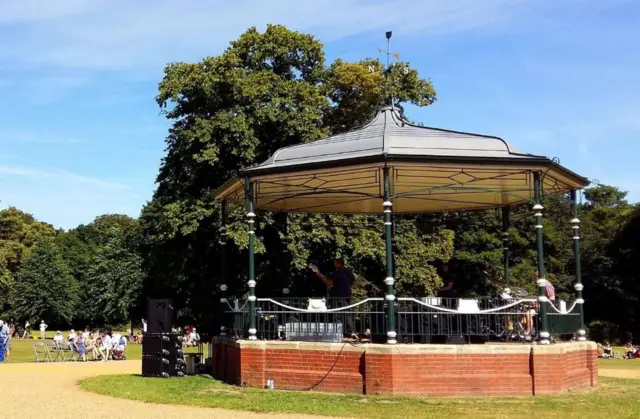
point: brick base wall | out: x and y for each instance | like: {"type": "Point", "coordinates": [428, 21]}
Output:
{"type": "Point", "coordinates": [420, 370]}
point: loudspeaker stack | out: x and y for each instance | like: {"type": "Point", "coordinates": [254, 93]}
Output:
{"type": "Point", "coordinates": [159, 316]}
{"type": "Point", "coordinates": [162, 354]}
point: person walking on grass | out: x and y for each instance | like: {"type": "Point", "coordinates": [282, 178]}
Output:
{"type": "Point", "coordinates": [5, 339]}
{"type": "Point", "coordinates": [43, 330]}
{"type": "Point", "coordinates": [27, 330]}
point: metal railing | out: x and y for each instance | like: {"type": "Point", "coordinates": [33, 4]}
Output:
{"type": "Point", "coordinates": [564, 323]}
{"type": "Point", "coordinates": [432, 318]}
{"type": "Point", "coordinates": [423, 320]}
{"type": "Point", "coordinates": [319, 319]}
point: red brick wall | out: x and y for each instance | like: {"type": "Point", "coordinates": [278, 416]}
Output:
{"type": "Point", "coordinates": [432, 372]}
{"type": "Point", "coordinates": [448, 374]}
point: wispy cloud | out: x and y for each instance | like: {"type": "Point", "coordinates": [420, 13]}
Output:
{"type": "Point", "coordinates": [62, 197]}
{"type": "Point", "coordinates": [30, 137]}
{"type": "Point", "coordinates": [62, 175]}
{"type": "Point", "coordinates": [101, 35]}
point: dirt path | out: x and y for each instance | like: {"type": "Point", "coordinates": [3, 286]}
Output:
{"type": "Point", "coordinates": [49, 390]}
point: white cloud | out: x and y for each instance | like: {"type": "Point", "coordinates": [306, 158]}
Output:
{"type": "Point", "coordinates": [64, 198]}
{"type": "Point", "coordinates": [122, 34]}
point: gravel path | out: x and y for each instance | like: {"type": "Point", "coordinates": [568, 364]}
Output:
{"type": "Point", "coordinates": [49, 390]}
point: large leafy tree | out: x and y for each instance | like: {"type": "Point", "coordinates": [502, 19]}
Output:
{"type": "Point", "coordinates": [611, 298]}
{"type": "Point", "coordinates": [114, 279]}
{"type": "Point", "coordinates": [45, 288]}
{"type": "Point", "coordinates": [90, 251]}
{"type": "Point", "coordinates": [267, 90]}
{"type": "Point", "coordinates": [19, 232]}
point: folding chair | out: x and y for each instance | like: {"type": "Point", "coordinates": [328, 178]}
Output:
{"type": "Point", "coordinates": [42, 352]}
{"type": "Point", "coordinates": [66, 352]}
{"type": "Point", "coordinates": [56, 350]}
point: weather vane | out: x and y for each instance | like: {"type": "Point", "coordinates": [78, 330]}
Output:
{"type": "Point", "coordinates": [389, 54]}
{"type": "Point", "coordinates": [387, 71]}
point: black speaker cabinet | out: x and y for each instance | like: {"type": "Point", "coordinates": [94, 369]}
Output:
{"type": "Point", "coordinates": [162, 355]}
{"type": "Point", "coordinates": [159, 315]}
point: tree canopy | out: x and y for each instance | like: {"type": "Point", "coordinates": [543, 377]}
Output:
{"type": "Point", "coordinates": [266, 91]}
{"type": "Point", "coordinates": [45, 288]}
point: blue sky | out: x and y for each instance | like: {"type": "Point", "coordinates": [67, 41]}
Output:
{"type": "Point", "coordinates": [81, 134]}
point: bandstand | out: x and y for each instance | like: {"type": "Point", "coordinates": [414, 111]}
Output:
{"type": "Point", "coordinates": [390, 166]}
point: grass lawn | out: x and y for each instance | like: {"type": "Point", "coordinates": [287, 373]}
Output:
{"type": "Point", "coordinates": [615, 398]}
{"type": "Point", "coordinates": [620, 364]}
{"type": "Point", "coordinates": [22, 351]}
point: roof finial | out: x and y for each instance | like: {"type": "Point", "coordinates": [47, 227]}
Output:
{"type": "Point", "coordinates": [387, 72]}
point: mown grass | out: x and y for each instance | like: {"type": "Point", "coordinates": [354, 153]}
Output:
{"type": "Point", "coordinates": [614, 398]}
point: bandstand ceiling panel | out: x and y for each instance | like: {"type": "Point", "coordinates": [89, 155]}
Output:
{"type": "Point", "coordinates": [430, 169]}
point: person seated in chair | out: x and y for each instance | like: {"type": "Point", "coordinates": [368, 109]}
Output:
{"type": "Point", "coordinates": [194, 337]}
{"type": "Point", "coordinates": [607, 351]}
{"type": "Point", "coordinates": [58, 339]}
{"type": "Point", "coordinates": [630, 351]}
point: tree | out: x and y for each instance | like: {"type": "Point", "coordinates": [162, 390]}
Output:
{"type": "Point", "coordinates": [87, 246]}
{"type": "Point", "coordinates": [19, 232]}
{"type": "Point", "coordinates": [266, 91]}
{"type": "Point", "coordinates": [45, 288]}
{"type": "Point", "coordinates": [610, 296]}
{"type": "Point", "coordinates": [114, 280]}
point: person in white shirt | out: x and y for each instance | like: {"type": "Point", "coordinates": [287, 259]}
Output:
{"type": "Point", "coordinates": [194, 337]}
{"type": "Point", "coordinates": [85, 334]}
{"type": "Point", "coordinates": [43, 329]}
{"type": "Point", "coordinates": [27, 326]}
{"type": "Point", "coordinates": [144, 325]}
{"type": "Point", "coordinates": [58, 339]}
{"type": "Point", "coordinates": [71, 338]}
{"type": "Point", "coordinates": [105, 346]}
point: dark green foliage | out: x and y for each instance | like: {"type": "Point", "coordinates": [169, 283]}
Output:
{"type": "Point", "coordinates": [266, 91]}
{"type": "Point", "coordinates": [45, 288]}
{"type": "Point", "coordinates": [114, 279]}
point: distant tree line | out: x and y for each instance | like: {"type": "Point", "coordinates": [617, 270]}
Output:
{"type": "Point", "coordinates": [87, 276]}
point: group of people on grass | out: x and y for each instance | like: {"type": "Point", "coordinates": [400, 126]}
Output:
{"type": "Point", "coordinates": [100, 345]}
{"type": "Point", "coordinates": [190, 337]}
{"type": "Point", "coordinates": [630, 351]}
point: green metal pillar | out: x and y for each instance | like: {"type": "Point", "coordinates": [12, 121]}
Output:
{"type": "Point", "coordinates": [505, 246]}
{"type": "Point", "coordinates": [248, 198]}
{"type": "Point", "coordinates": [542, 282]}
{"type": "Point", "coordinates": [389, 280]}
{"type": "Point", "coordinates": [575, 222]}
{"type": "Point", "coordinates": [223, 262]}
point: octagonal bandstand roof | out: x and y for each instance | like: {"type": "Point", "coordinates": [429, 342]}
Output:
{"type": "Point", "coordinates": [431, 169]}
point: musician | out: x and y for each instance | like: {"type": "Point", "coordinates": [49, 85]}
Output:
{"type": "Point", "coordinates": [447, 292]}
{"type": "Point", "coordinates": [340, 281]}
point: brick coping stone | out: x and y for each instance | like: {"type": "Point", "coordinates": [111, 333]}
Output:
{"type": "Point", "coordinates": [417, 348]}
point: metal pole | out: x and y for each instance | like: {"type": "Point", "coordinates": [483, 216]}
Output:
{"type": "Point", "coordinates": [505, 245]}
{"type": "Point", "coordinates": [389, 280]}
{"type": "Point", "coordinates": [542, 282]}
{"type": "Point", "coordinates": [575, 222]}
{"type": "Point", "coordinates": [248, 197]}
{"type": "Point", "coordinates": [223, 262]}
